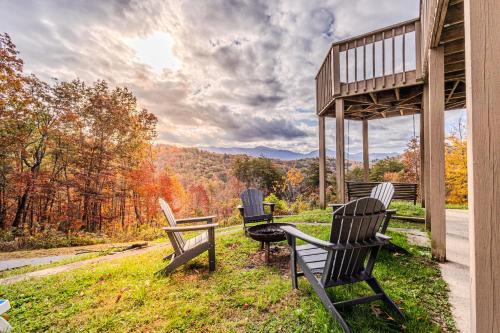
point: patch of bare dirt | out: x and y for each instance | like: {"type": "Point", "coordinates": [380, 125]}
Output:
{"type": "Point", "coordinates": [279, 257]}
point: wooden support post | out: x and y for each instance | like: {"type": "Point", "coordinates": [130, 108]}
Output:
{"type": "Point", "coordinates": [427, 163]}
{"type": "Point", "coordinates": [482, 47]}
{"type": "Point", "coordinates": [422, 158]}
{"type": "Point", "coordinates": [340, 147]}
{"type": "Point", "coordinates": [322, 163]}
{"type": "Point", "coordinates": [436, 145]}
{"type": "Point", "coordinates": [366, 160]}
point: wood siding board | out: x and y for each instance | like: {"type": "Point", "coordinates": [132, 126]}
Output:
{"type": "Point", "coordinates": [482, 47]}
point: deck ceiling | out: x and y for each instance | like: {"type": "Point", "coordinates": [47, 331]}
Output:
{"type": "Point", "coordinates": [452, 38]}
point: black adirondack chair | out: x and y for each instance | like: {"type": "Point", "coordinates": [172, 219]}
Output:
{"type": "Point", "coordinates": [348, 257]}
{"type": "Point", "coordinates": [383, 192]}
{"type": "Point", "coordinates": [193, 247]}
{"type": "Point", "coordinates": [252, 209]}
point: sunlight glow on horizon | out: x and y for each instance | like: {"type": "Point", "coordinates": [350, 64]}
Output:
{"type": "Point", "coordinates": [155, 51]}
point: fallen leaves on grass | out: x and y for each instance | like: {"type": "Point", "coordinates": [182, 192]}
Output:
{"type": "Point", "coordinates": [119, 296]}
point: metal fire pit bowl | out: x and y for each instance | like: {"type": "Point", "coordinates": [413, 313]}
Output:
{"type": "Point", "coordinates": [268, 233]}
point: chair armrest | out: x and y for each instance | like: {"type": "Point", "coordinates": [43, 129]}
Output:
{"type": "Point", "coordinates": [335, 205]}
{"type": "Point", "coordinates": [388, 215]}
{"type": "Point", "coordinates": [383, 237]}
{"type": "Point", "coordinates": [293, 232]}
{"type": "Point", "coordinates": [191, 227]}
{"type": "Point", "coordinates": [271, 206]}
{"type": "Point", "coordinates": [207, 219]}
{"type": "Point", "coordinates": [242, 210]}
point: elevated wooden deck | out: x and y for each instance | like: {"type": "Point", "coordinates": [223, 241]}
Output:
{"type": "Point", "coordinates": [381, 74]}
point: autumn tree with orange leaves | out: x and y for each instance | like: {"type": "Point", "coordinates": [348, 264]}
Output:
{"type": "Point", "coordinates": [67, 152]}
{"type": "Point", "coordinates": [456, 166]}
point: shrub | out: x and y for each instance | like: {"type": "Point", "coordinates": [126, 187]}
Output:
{"type": "Point", "coordinates": [281, 207]}
{"type": "Point", "coordinates": [299, 205]}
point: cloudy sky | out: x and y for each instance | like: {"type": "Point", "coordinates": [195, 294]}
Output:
{"type": "Point", "coordinates": [216, 73]}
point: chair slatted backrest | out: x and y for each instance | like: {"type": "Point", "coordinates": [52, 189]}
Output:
{"type": "Point", "coordinates": [383, 192]}
{"type": "Point", "coordinates": [355, 223]}
{"type": "Point", "coordinates": [402, 191]}
{"type": "Point", "coordinates": [253, 202]}
{"type": "Point", "coordinates": [175, 237]}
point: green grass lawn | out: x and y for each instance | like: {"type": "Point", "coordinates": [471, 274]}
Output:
{"type": "Point", "coordinates": [457, 206]}
{"type": "Point", "coordinates": [325, 215]}
{"type": "Point", "coordinates": [242, 295]}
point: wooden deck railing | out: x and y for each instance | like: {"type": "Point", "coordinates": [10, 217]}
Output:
{"type": "Point", "coordinates": [380, 59]}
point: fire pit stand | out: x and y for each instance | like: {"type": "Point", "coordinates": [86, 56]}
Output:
{"type": "Point", "coordinates": [268, 233]}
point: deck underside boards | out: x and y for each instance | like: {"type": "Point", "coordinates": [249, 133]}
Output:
{"type": "Point", "coordinates": [393, 102]}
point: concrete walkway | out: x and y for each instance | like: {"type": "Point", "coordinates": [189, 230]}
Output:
{"type": "Point", "coordinates": [456, 270]}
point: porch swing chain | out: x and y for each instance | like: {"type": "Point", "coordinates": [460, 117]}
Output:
{"type": "Point", "coordinates": [348, 140]}
{"type": "Point", "coordinates": [415, 138]}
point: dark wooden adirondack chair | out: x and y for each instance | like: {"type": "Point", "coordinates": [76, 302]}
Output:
{"type": "Point", "coordinates": [383, 192]}
{"type": "Point", "coordinates": [193, 247]}
{"type": "Point", "coordinates": [252, 209]}
{"type": "Point", "coordinates": [348, 257]}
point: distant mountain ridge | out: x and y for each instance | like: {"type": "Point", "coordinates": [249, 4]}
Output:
{"type": "Point", "coordinates": [288, 155]}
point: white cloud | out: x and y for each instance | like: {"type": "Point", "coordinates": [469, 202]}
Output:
{"type": "Point", "coordinates": [155, 50]}
{"type": "Point", "coordinates": [235, 72]}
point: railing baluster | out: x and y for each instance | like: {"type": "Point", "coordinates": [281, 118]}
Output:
{"type": "Point", "coordinates": [336, 69]}
{"type": "Point", "coordinates": [404, 54]}
{"type": "Point", "coordinates": [355, 66]}
{"type": "Point", "coordinates": [383, 59]}
{"type": "Point", "coordinates": [347, 64]}
{"type": "Point", "coordinates": [323, 87]}
{"type": "Point", "coordinates": [327, 77]}
{"type": "Point", "coordinates": [364, 62]}
{"type": "Point", "coordinates": [393, 58]}
{"type": "Point", "coordinates": [418, 50]}
{"type": "Point", "coordinates": [373, 61]}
